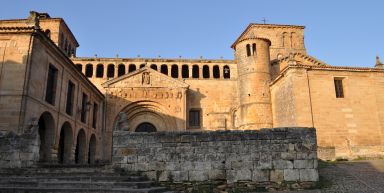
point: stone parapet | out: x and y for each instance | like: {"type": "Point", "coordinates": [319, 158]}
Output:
{"type": "Point", "coordinates": [266, 155]}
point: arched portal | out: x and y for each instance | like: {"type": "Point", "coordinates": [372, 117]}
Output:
{"type": "Point", "coordinates": [92, 150]}
{"type": "Point", "coordinates": [65, 143]}
{"type": "Point", "coordinates": [46, 135]}
{"type": "Point", "coordinates": [146, 127]}
{"type": "Point", "coordinates": [81, 149]}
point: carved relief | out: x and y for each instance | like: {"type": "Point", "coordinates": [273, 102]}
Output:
{"type": "Point", "coordinates": [146, 79]}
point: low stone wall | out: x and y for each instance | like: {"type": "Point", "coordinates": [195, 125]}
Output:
{"type": "Point", "coordinates": [267, 155]}
{"type": "Point", "coordinates": [18, 150]}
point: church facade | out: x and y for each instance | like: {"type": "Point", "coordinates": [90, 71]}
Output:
{"type": "Point", "coordinates": [272, 82]}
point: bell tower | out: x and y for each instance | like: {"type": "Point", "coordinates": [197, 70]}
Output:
{"type": "Point", "coordinates": [253, 62]}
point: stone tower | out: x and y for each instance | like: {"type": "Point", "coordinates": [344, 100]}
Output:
{"type": "Point", "coordinates": [253, 61]}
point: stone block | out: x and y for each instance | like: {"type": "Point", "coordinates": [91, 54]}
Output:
{"type": "Point", "coordinates": [301, 164]}
{"type": "Point", "coordinates": [291, 175]}
{"type": "Point", "coordinates": [239, 175]}
{"type": "Point", "coordinates": [282, 164]}
{"type": "Point", "coordinates": [194, 175]}
{"type": "Point", "coordinates": [163, 176]}
{"type": "Point", "coordinates": [263, 164]}
{"type": "Point", "coordinates": [276, 175]}
{"type": "Point", "coordinates": [179, 176]}
{"type": "Point", "coordinates": [216, 174]}
{"type": "Point", "coordinates": [260, 175]}
{"type": "Point", "coordinates": [309, 175]}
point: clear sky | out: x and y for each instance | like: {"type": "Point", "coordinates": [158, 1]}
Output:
{"type": "Point", "coordinates": [339, 32]}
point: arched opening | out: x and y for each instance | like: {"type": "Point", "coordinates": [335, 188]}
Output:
{"type": "Point", "coordinates": [227, 72]}
{"type": "Point", "coordinates": [121, 70]}
{"type": "Point", "coordinates": [248, 50]}
{"type": "Point", "coordinates": [92, 150]}
{"type": "Point", "coordinates": [195, 71]}
{"type": "Point", "coordinates": [65, 143]}
{"type": "Point", "coordinates": [253, 49]}
{"type": "Point", "coordinates": [79, 67]}
{"type": "Point", "coordinates": [99, 71]}
{"type": "Point", "coordinates": [145, 127]}
{"type": "Point", "coordinates": [154, 66]}
{"type": "Point", "coordinates": [174, 71]}
{"type": "Point", "coordinates": [89, 70]}
{"type": "Point", "coordinates": [131, 68]}
{"type": "Point", "coordinates": [164, 69]}
{"type": "Point", "coordinates": [185, 71]}
{"type": "Point", "coordinates": [205, 71]}
{"type": "Point", "coordinates": [110, 71]}
{"type": "Point", "coordinates": [48, 33]}
{"type": "Point", "coordinates": [216, 71]}
{"type": "Point", "coordinates": [46, 135]}
{"type": "Point", "coordinates": [80, 151]}
{"type": "Point", "coordinates": [142, 65]}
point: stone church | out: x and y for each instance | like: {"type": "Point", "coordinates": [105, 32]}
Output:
{"type": "Point", "coordinates": [73, 104]}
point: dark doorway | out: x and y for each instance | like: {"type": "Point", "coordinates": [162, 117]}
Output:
{"type": "Point", "coordinates": [46, 134]}
{"type": "Point", "coordinates": [80, 148]}
{"type": "Point", "coordinates": [92, 150]}
{"type": "Point", "coordinates": [65, 143]}
{"type": "Point", "coordinates": [146, 127]}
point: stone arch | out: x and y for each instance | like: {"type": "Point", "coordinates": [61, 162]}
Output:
{"type": "Point", "coordinates": [89, 70]}
{"type": "Point", "coordinates": [80, 151]}
{"type": "Point", "coordinates": [99, 71]}
{"type": "Point", "coordinates": [148, 111]}
{"type": "Point", "coordinates": [65, 143]}
{"type": "Point", "coordinates": [195, 71]}
{"type": "Point", "coordinates": [216, 71]}
{"type": "Point", "coordinates": [164, 69]}
{"type": "Point", "coordinates": [227, 72]}
{"type": "Point", "coordinates": [185, 71]}
{"type": "Point", "coordinates": [174, 71]}
{"type": "Point", "coordinates": [131, 68]}
{"type": "Point", "coordinates": [46, 136]}
{"type": "Point", "coordinates": [120, 70]}
{"type": "Point", "coordinates": [92, 150]}
{"type": "Point", "coordinates": [110, 70]}
{"type": "Point", "coordinates": [285, 40]}
{"type": "Point", "coordinates": [248, 47]}
{"type": "Point", "coordinates": [154, 66]}
{"type": "Point", "coordinates": [205, 71]}
{"type": "Point", "coordinates": [145, 127]}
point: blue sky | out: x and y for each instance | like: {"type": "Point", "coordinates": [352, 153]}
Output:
{"type": "Point", "coordinates": [339, 32]}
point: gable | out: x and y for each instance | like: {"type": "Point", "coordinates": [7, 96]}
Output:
{"type": "Point", "coordinates": [145, 77]}
{"type": "Point", "coordinates": [301, 59]}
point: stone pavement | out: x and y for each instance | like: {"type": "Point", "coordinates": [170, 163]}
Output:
{"type": "Point", "coordinates": [366, 176]}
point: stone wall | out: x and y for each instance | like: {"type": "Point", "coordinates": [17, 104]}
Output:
{"type": "Point", "coordinates": [18, 150]}
{"type": "Point", "coordinates": [266, 155]}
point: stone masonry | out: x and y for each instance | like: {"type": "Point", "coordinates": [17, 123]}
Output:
{"type": "Point", "coordinates": [266, 155]}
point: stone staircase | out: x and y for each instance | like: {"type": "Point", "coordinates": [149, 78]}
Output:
{"type": "Point", "coordinates": [74, 179]}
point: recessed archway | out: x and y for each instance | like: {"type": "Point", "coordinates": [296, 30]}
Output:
{"type": "Point", "coordinates": [145, 127]}
{"type": "Point", "coordinates": [81, 149]}
{"type": "Point", "coordinates": [65, 143]}
{"type": "Point", "coordinates": [46, 135]}
{"type": "Point", "coordinates": [92, 150]}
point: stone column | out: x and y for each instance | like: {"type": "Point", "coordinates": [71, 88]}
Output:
{"type": "Point", "coordinates": [190, 67]}
{"type": "Point", "coordinates": [180, 68]}
{"type": "Point", "coordinates": [201, 72]}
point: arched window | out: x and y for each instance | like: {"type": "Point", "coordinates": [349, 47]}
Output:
{"type": "Point", "coordinates": [293, 39]}
{"type": "Point", "coordinates": [205, 71]}
{"type": "Point", "coordinates": [174, 71]}
{"type": "Point", "coordinates": [121, 70]}
{"type": "Point", "coordinates": [131, 68]}
{"type": "Point", "coordinates": [216, 71]}
{"type": "Point", "coordinates": [253, 49]}
{"type": "Point", "coordinates": [195, 71]}
{"type": "Point", "coordinates": [248, 50]}
{"type": "Point", "coordinates": [79, 67]}
{"type": "Point", "coordinates": [164, 69]}
{"type": "Point", "coordinates": [110, 71]}
{"type": "Point", "coordinates": [227, 72]}
{"type": "Point", "coordinates": [100, 71]}
{"type": "Point", "coordinates": [185, 71]}
{"type": "Point", "coordinates": [142, 65]}
{"type": "Point", "coordinates": [154, 66]}
{"type": "Point", "coordinates": [89, 70]}
{"type": "Point", "coordinates": [285, 40]}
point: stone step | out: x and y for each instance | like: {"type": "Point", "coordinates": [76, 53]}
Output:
{"type": "Point", "coordinates": [78, 184]}
{"type": "Point", "coordinates": [81, 190]}
{"type": "Point", "coordinates": [43, 178]}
